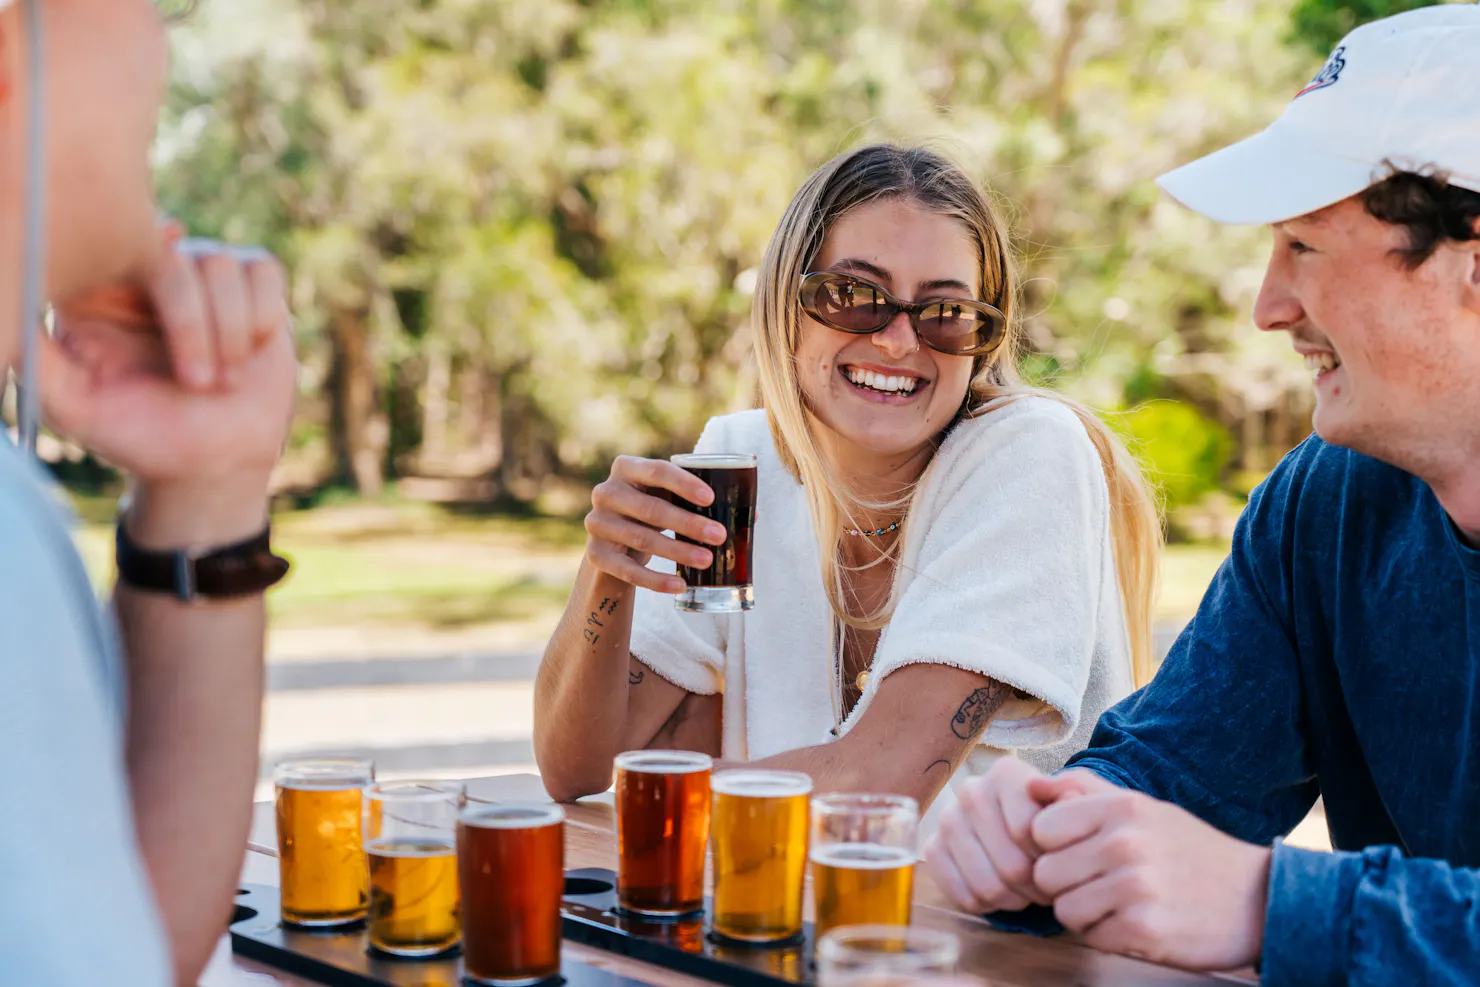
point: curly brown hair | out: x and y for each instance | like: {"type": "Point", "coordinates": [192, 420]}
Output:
{"type": "Point", "coordinates": [1431, 209]}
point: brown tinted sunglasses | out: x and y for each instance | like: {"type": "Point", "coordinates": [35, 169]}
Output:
{"type": "Point", "coordinates": [959, 326]}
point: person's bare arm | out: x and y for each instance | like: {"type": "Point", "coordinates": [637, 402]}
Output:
{"type": "Point", "coordinates": [593, 700]}
{"type": "Point", "coordinates": [919, 727]}
{"type": "Point", "coordinates": [195, 701]}
{"type": "Point", "coordinates": [195, 409]}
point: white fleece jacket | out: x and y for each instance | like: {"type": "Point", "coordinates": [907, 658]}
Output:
{"type": "Point", "coordinates": [1007, 569]}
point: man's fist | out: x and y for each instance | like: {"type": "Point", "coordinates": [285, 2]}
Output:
{"type": "Point", "coordinates": [982, 853]}
{"type": "Point", "coordinates": [195, 407]}
{"type": "Point", "coordinates": [1147, 878]}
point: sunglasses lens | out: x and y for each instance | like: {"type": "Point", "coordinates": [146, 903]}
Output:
{"type": "Point", "coordinates": [957, 327]}
{"type": "Point", "coordinates": [851, 306]}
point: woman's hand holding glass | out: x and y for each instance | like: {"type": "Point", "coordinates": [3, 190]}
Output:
{"type": "Point", "coordinates": [630, 513]}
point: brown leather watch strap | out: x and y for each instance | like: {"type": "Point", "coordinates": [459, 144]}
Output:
{"type": "Point", "coordinates": [242, 569]}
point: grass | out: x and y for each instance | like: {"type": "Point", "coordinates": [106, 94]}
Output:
{"type": "Point", "coordinates": [402, 564]}
{"type": "Point", "coordinates": [1186, 571]}
{"type": "Point", "coordinates": [428, 569]}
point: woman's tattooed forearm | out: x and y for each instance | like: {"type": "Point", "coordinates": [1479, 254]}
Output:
{"type": "Point", "coordinates": [607, 607]}
{"type": "Point", "coordinates": [972, 716]}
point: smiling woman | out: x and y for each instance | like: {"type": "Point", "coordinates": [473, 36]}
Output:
{"type": "Point", "coordinates": [948, 565]}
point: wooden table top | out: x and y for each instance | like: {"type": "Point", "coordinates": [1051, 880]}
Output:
{"type": "Point", "coordinates": [998, 959]}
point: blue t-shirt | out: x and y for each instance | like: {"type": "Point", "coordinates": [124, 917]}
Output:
{"type": "Point", "coordinates": [1336, 654]}
{"type": "Point", "coordinates": [75, 905]}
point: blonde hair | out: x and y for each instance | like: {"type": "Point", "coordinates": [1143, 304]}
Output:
{"type": "Point", "coordinates": [884, 171]}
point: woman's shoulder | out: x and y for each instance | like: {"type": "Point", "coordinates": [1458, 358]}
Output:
{"type": "Point", "coordinates": [743, 431]}
{"type": "Point", "coordinates": [1026, 429]}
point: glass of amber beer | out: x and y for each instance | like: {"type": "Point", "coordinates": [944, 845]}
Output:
{"type": "Point", "coordinates": [863, 859]}
{"type": "Point", "coordinates": [321, 854]}
{"type": "Point", "coordinates": [410, 839]}
{"type": "Point", "coordinates": [662, 831]}
{"type": "Point", "coordinates": [884, 955]}
{"type": "Point", "coordinates": [760, 853]}
{"type": "Point", "coordinates": [725, 585]}
{"type": "Point", "coordinates": [511, 868]}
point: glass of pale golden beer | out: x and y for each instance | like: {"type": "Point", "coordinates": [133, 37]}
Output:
{"type": "Point", "coordinates": [410, 840]}
{"type": "Point", "coordinates": [511, 869]}
{"type": "Point", "coordinates": [759, 828]}
{"type": "Point", "coordinates": [863, 859]}
{"type": "Point", "coordinates": [662, 831]}
{"type": "Point", "coordinates": [321, 853]}
{"type": "Point", "coordinates": [884, 955]}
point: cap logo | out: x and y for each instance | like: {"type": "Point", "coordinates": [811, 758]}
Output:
{"type": "Point", "coordinates": [1329, 73]}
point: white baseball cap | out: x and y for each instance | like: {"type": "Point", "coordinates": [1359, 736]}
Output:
{"type": "Point", "coordinates": [1404, 90]}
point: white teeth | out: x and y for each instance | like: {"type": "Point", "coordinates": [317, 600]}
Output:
{"type": "Point", "coordinates": [1321, 362]}
{"type": "Point", "coordinates": [883, 383]}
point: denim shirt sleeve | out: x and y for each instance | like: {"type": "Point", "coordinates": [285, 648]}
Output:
{"type": "Point", "coordinates": [1364, 918]}
{"type": "Point", "coordinates": [1218, 731]}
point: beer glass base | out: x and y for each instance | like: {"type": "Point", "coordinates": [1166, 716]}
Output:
{"type": "Point", "coordinates": [468, 978]}
{"type": "Point", "coordinates": [715, 599]}
{"type": "Point", "coordinates": [321, 924]}
{"type": "Point", "coordinates": [417, 952]}
{"type": "Point", "coordinates": [756, 942]}
{"type": "Point", "coordinates": [654, 915]}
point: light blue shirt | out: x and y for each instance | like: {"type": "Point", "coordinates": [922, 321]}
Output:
{"type": "Point", "coordinates": [75, 903]}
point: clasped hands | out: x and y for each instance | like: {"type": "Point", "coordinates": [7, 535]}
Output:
{"type": "Point", "coordinates": [1128, 873]}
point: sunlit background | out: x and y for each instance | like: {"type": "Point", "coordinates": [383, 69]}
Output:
{"type": "Point", "coordinates": [524, 235]}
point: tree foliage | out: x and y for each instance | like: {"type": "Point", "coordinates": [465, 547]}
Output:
{"type": "Point", "coordinates": [524, 232]}
{"type": "Point", "coordinates": [1320, 24]}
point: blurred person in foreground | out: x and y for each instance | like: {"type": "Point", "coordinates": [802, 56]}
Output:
{"type": "Point", "coordinates": [949, 565]}
{"type": "Point", "coordinates": [128, 748]}
{"type": "Point", "coordinates": [1337, 652]}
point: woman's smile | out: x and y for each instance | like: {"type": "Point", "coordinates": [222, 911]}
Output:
{"type": "Point", "coordinates": [880, 384]}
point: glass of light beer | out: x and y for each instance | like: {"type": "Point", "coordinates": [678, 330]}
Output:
{"type": "Point", "coordinates": [662, 831]}
{"type": "Point", "coordinates": [511, 869]}
{"type": "Point", "coordinates": [863, 859]}
{"type": "Point", "coordinates": [725, 585]}
{"type": "Point", "coordinates": [884, 955]}
{"type": "Point", "coordinates": [410, 839]}
{"type": "Point", "coordinates": [321, 853]}
{"type": "Point", "coordinates": [759, 827]}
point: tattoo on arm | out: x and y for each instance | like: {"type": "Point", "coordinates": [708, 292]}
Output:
{"type": "Point", "coordinates": [972, 716]}
{"type": "Point", "coordinates": [633, 678]}
{"type": "Point", "coordinates": [933, 764]}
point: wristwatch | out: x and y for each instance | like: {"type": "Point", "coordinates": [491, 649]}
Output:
{"type": "Point", "coordinates": [244, 569]}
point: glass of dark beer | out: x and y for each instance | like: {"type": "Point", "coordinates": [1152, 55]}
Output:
{"type": "Point", "coordinates": [723, 587]}
{"type": "Point", "coordinates": [662, 831]}
{"type": "Point", "coordinates": [511, 868]}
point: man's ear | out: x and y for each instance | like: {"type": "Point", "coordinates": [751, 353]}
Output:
{"type": "Point", "coordinates": [1471, 288]}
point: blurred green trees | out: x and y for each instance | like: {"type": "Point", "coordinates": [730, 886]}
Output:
{"type": "Point", "coordinates": [1319, 24]}
{"type": "Point", "coordinates": [524, 232]}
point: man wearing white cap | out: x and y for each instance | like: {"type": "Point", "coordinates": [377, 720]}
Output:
{"type": "Point", "coordinates": [1337, 652]}
{"type": "Point", "coordinates": [128, 747]}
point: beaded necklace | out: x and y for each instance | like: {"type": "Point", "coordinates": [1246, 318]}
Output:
{"type": "Point", "coordinates": [876, 531]}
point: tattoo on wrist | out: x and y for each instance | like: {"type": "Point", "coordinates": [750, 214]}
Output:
{"type": "Point", "coordinates": [972, 716]}
{"type": "Point", "coordinates": [607, 606]}
{"type": "Point", "coordinates": [633, 678]}
{"type": "Point", "coordinates": [934, 764]}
